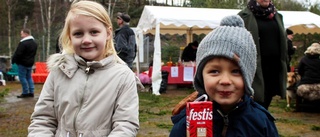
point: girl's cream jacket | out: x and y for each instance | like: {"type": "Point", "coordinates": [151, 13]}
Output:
{"type": "Point", "coordinates": [86, 99]}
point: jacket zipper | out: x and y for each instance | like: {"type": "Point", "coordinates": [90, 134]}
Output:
{"type": "Point", "coordinates": [225, 121]}
{"type": "Point", "coordinates": [81, 102]}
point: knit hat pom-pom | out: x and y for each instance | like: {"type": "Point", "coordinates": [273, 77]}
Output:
{"type": "Point", "coordinates": [233, 20]}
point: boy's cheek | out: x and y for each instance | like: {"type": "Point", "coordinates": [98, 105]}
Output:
{"type": "Point", "coordinates": [210, 94]}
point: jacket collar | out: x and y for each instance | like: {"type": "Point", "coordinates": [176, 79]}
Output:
{"type": "Point", "coordinates": [240, 106]}
{"type": "Point", "coordinates": [93, 65]}
{"type": "Point", "coordinates": [123, 27]}
{"type": "Point", "coordinates": [26, 38]}
{"type": "Point", "coordinates": [70, 63]}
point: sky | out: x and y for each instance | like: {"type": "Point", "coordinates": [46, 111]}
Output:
{"type": "Point", "coordinates": [180, 2]}
{"type": "Point", "coordinates": [304, 1]}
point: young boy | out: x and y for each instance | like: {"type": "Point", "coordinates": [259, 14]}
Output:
{"type": "Point", "coordinates": [226, 64]}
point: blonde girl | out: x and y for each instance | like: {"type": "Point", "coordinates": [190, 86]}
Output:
{"type": "Point", "coordinates": [89, 91]}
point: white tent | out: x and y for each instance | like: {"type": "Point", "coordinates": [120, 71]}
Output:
{"type": "Point", "coordinates": [182, 20]}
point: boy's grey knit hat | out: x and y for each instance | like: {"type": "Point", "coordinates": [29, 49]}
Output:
{"type": "Point", "coordinates": [231, 40]}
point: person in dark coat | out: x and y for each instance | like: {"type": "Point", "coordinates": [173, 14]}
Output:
{"type": "Point", "coordinates": [24, 57]}
{"type": "Point", "coordinates": [125, 40]}
{"type": "Point", "coordinates": [309, 70]}
{"type": "Point", "coordinates": [58, 46]}
{"type": "Point", "coordinates": [291, 48]}
{"type": "Point", "coordinates": [226, 64]}
{"type": "Point", "coordinates": [189, 52]}
{"type": "Point", "coordinates": [266, 26]}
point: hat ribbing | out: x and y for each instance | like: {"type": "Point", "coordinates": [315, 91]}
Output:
{"type": "Point", "coordinates": [227, 40]}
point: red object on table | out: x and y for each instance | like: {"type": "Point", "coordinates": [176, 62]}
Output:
{"type": "Point", "coordinates": [174, 80]}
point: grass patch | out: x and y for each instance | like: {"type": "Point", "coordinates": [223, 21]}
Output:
{"type": "Point", "coordinates": [155, 112]}
{"type": "Point", "coordinates": [279, 106]}
{"type": "Point", "coordinates": [290, 121]}
{"type": "Point", "coordinates": [287, 136]}
{"type": "Point", "coordinates": [164, 125]}
{"type": "Point", "coordinates": [151, 106]}
{"type": "Point", "coordinates": [3, 93]}
{"type": "Point", "coordinates": [280, 103]}
{"type": "Point", "coordinates": [315, 128]}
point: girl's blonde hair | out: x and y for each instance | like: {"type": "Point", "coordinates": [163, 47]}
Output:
{"type": "Point", "coordinates": [90, 9]}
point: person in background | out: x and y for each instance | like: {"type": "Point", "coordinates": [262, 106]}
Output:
{"type": "Point", "coordinates": [291, 48]}
{"type": "Point", "coordinates": [24, 57]}
{"type": "Point", "coordinates": [125, 41]}
{"type": "Point", "coordinates": [90, 91]}
{"type": "Point", "coordinates": [189, 52]}
{"type": "Point", "coordinates": [309, 70]}
{"type": "Point", "coordinates": [3, 68]}
{"type": "Point", "coordinates": [266, 26]}
{"type": "Point", "coordinates": [58, 46]}
{"type": "Point", "coordinates": [226, 64]}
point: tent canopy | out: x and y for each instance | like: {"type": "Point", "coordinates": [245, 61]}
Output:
{"type": "Point", "coordinates": [305, 29]}
{"type": "Point", "coordinates": [184, 20]}
{"type": "Point", "coordinates": [178, 20]}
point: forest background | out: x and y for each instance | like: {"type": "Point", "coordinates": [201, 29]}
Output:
{"type": "Point", "coordinates": [46, 18]}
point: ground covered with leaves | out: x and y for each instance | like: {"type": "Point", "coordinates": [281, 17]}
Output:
{"type": "Point", "coordinates": [155, 113]}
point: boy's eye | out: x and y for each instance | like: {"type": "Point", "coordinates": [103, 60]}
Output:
{"type": "Point", "coordinates": [214, 71]}
{"type": "Point", "coordinates": [236, 71]}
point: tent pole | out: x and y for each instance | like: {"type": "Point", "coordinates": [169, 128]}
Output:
{"type": "Point", "coordinates": [189, 36]}
{"type": "Point", "coordinates": [156, 68]}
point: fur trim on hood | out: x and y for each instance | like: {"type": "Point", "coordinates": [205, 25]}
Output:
{"type": "Point", "coordinates": [314, 49]}
{"type": "Point", "coordinates": [55, 60]}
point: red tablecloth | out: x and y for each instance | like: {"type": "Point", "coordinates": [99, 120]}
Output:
{"type": "Point", "coordinates": [174, 80]}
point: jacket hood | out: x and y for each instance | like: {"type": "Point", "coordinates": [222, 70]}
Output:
{"type": "Point", "coordinates": [313, 49]}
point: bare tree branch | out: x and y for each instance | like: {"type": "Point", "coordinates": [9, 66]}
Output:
{"type": "Point", "coordinates": [11, 4]}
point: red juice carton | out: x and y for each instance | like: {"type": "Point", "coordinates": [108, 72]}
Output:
{"type": "Point", "coordinates": [200, 118]}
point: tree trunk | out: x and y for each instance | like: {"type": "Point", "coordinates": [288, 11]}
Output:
{"type": "Point", "coordinates": [48, 28]}
{"type": "Point", "coordinates": [11, 4]}
{"type": "Point", "coordinates": [9, 28]}
{"type": "Point", "coordinates": [25, 22]}
{"type": "Point", "coordinates": [109, 8]}
{"type": "Point", "coordinates": [114, 5]}
{"type": "Point", "coordinates": [42, 17]}
{"type": "Point", "coordinates": [128, 6]}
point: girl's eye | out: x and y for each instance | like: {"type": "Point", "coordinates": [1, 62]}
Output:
{"type": "Point", "coordinates": [94, 32]}
{"type": "Point", "coordinates": [77, 34]}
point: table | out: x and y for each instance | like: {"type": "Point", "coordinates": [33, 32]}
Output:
{"type": "Point", "coordinates": [182, 74]}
